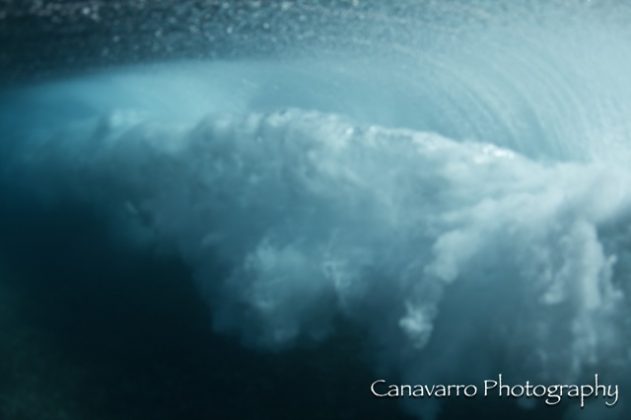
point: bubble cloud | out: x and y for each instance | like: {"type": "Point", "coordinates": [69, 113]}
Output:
{"type": "Point", "coordinates": [468, 217]}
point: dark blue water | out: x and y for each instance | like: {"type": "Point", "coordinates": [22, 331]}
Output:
{"type": "Point", "coordinates": [94, 329]}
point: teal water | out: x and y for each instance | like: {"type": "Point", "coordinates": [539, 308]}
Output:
{"type": "Point", "coordinates": [433, 191]}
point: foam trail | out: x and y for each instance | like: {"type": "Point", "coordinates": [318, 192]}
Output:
{"type": "Point", "coordinates": [468, 211]}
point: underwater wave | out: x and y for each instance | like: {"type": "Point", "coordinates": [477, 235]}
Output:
{"type": "Point", "coordinates": [458, 252]}
{"type": "Point", "coordinates": [462, 198]}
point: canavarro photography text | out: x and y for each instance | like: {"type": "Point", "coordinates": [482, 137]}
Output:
{"type": "Point", "coordinates": [551, 394]}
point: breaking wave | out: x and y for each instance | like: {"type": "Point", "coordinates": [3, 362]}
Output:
{"type": "Point", "coordinates": [467, 209]}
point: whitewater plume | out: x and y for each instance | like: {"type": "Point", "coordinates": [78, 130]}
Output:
{"type": "Point", "coordinates": [463, 201]}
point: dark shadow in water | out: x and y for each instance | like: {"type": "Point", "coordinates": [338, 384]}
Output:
{"type": "Point", "coordinates": [125, 334]}
{"type": "Point", "coordinates": [102, 331]}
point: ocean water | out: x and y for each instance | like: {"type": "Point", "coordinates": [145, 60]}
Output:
{"type": "Point", "coordinates": [430, 192]}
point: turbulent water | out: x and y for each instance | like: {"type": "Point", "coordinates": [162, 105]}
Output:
{"type": "Point", "coordinates": [457, 187]}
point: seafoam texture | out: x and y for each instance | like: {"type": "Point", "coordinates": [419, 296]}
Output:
{"type": "Point", "coordinates": [447, 253]}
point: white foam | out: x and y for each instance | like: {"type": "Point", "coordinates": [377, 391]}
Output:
{"type": "Point", "coordinates": [447, 251]}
